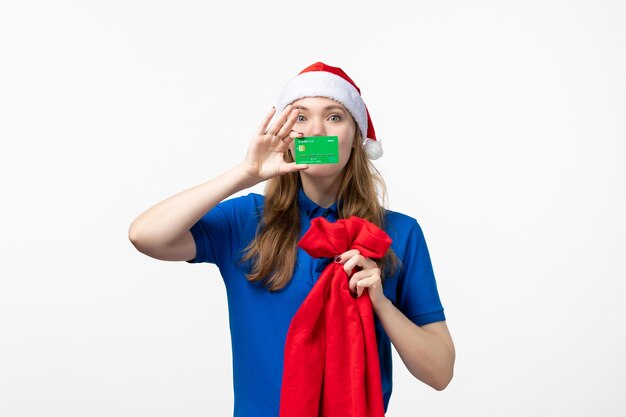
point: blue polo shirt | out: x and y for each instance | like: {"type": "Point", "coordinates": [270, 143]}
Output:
{"type": "Point", "coordinates": [259, 319]}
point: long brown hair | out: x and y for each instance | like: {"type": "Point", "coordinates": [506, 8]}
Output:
{"type": "Point", "coordinates": [279, 230]}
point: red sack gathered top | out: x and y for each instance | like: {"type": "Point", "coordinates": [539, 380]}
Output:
{"type": "Point", "coordinates": [331, 366]}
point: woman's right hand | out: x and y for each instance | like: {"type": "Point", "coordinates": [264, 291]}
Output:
{"type": "Point", "coordinates": [264, 158]}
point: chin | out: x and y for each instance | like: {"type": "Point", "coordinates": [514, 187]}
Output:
{"type": "Point", "coordinates": [321, 170]}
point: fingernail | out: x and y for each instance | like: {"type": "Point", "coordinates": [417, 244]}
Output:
{"type": "Point", "coordinates": [337, 258]}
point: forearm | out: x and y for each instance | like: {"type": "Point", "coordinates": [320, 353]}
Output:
{"type": "Point", "coordinates": [165, 222]}
{"type": "Point", "coordinates": [428, 357]}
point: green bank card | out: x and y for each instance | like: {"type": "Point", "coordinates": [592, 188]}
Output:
{"type": "Point", "coordinates": [317, 150]}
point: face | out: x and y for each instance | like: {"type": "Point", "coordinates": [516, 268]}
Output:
{"type": "Point", "coordinates": [321, 116]}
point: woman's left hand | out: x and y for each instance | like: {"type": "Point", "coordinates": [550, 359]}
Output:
{"type": "Point", "coordinates": [368, 277]}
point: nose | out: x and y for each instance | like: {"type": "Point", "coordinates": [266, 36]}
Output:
{"type": "Point", "coordinates": [317, 127]}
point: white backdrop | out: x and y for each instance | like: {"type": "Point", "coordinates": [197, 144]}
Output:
{"type": "Point", "coordinates": [503, 129]}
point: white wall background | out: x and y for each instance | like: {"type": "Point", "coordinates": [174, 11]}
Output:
{"type": "Point", "coordinates": [503, 128]}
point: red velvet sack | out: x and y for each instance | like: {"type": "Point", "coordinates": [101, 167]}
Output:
{"type": "Point", "coordinates": [331, 365]}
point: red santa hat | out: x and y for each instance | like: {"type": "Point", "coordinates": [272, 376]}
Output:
{"type": "Point", "coordinates": [324, 80]}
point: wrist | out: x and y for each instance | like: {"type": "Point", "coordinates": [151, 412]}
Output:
{"type": "Point", "coordinates": [381, 307]}
{"type": "Point", "coordinates": [245, 179]}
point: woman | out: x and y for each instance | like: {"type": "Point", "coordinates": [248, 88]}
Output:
{"type": "Point", "coordinates": [253, 240]}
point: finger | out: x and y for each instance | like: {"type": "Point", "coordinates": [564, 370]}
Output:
{"type": "Point", "coordinates": [361, 262]}
{"type": "Point", "coordinates": [293, 167]}
{"type": "Point", "coordinates": [346, 255]}
{"type": "Point", "coordinates": [359, 276]}
{"type": "Point", "coordinates": [354, 262]}
{"type": "Point", "coordinates": [359, 291]}
{"type": "Point", "coordinates": [292, 135]}
{"type": "Point", "coordinates": [280, 121]}
{"type": "Point", "coordinates": [370, 281]}
{"type": "Point", "coordinates": [354, 279]}
{"type": "Point", "coordinates": [263, 126]}
{"type": "Point", "coordinates": [366, 283]}
{"type": "Point", "coordinates": [291, 120]}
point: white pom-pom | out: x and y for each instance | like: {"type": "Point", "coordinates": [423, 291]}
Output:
{"type": "Point", "coordinates": [373, 148]}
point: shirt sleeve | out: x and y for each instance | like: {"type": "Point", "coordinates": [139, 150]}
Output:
{"type": "Point", "coordinates": [417, 296]}
{"type": "Point", "coordinates": [219, 231]}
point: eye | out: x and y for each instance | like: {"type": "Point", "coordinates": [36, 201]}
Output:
{"type": "Point", "coordinates": [298, 118]}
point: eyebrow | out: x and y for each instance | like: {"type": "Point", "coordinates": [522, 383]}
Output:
{"type": "Point", "coordinates": [332, 106]}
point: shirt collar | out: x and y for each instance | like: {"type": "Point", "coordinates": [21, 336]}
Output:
{"type": "Point", "coordinates": [311, 208]}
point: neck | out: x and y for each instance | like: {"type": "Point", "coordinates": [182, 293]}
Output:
{"type": "Point", "coordinates": [322, 191]}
